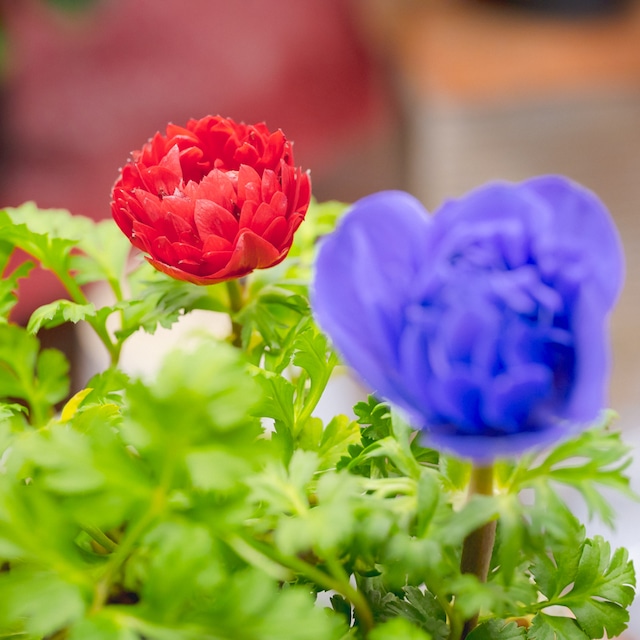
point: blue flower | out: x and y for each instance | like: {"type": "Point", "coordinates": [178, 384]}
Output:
{"type": "Point", "coordinates": [487, 323]}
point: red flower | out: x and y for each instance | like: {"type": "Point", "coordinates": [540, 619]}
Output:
{"type": "Point", "coordinates": [213, 200]}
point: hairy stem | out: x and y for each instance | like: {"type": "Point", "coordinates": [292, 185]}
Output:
{"type": "Point", "coordinates": [478, 545]}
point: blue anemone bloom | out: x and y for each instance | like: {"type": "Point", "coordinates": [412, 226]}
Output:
{"type": "Point", "coordinates": [486, 322]}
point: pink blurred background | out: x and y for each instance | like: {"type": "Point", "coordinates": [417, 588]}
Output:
{"type": "Point", "coordinates": [434, 96]}
{"type": "Point", "coordinates": [84, 88]}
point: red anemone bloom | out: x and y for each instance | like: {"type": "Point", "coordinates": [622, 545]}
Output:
{"type": "Point", "coordinates": [213, 200]}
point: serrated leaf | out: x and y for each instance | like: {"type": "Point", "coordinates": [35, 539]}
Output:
{"type": "Point", "coordinates": [272, 317]}
{"type": "Point", "coordinates": [496, 629]}
{"type": "Point", "coordinates": [421, 609]}
{"type": "Point", "coordinates": [595, 458]}
{"type": "Point", "coordinates": [337, 436]}
{"type": "Point", "coordinates": [278, 399]}
{"type": "Point", "coordinates": [604, 587]}
{"type": "Point", "coordinates": [546, 627]}
{"type": "Point", "coordinates": [58, 312]}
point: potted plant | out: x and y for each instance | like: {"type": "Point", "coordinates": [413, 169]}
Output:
{"type": "Point", "coordinates": [210, 501]}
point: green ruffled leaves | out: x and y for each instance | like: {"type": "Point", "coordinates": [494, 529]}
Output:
{"type": "Point", "coordinates": [594, 584]}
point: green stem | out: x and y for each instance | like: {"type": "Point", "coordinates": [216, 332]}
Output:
{"type": "Point", "coordinates": [360, 605]}
{"type": "Point", "coordinates": [98, 536]}
{"type": "Point", "coordinates": [133, 535]}
{"type": "Point", "coordinates": [337, 580]}
{"type": "Point", "coordinates": [236, 302]}
{"type": "Point", "coordinates": [478, 545]}
{"type": "Point", "coordinates": [77, 295]}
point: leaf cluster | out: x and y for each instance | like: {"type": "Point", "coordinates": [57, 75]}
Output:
{"type": "Point", "coordinates": [213, 502]}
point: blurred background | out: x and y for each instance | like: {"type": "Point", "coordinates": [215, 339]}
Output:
{"type": "Point", "coordinates": [433, 96]}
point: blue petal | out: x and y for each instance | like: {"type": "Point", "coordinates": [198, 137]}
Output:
{"type": "Point", "coordinates": [582, 222]}
{"type": "Point", "coordinates": [364, 273]}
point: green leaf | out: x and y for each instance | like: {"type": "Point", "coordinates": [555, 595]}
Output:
{"type": "Point", "coordinates": [102, 626]}
{"type": "Point", "coordinates": [421, 609]}
{"type": "Point", "coordinates": [545, 627]}
{"type": "Point", "coordinates": [604, 587]}
{"type": "Point", "coordinates": [48, 235]}
{"type": "Point", "coordinates": [67, 457]}
{"type": "Point", "coordinates": [58, 312]}
{"type": "Point", "coordinates": [554, 572]}
{"type": "Point", "coordinates": [429, 499]}
{"type": "Point", "coordinates": [596, 458]}
{"type": "Point", "coordinates": [106, 251]}
{"type": "Point", "coordinates": [595, 585]}
{"type": "Point", "coordinates": [52, 369]}
{"type": "Point", "coordinates": [38, 378]}
{"type": "Point", "coordinates": [398, 629]}
{"type": "Point", "coordinates": [496, 629]}
{"type": "Point", "coordinates": [214, 469]}
{"type": "Point", "coordinates": [45, 602]}
{"type": "Point", "coordinates": [475, 513]}
{"type": "Point", "coordinates": [271, 319]}
{"type": "Point", "coordinates": [277, 401]}
{"type": "Point", "coordinates": [337, 436]}
{"type": "Point", "coordinates": [9, 284]}
{"type": "Point", "coordinates": [511, 534]}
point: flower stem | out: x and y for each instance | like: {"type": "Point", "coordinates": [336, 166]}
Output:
{"type": "Point", "coordinates": [78, 297]}
{"type": "Point", "coordinates": [236, 302]}
{"type": "Point", "coordinates": [336, 580]}
{"type": "Point", "coordinates": [478, 545]}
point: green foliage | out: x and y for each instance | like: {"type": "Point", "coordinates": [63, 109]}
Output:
{"type": "Point", "coordinates": [212, 501]}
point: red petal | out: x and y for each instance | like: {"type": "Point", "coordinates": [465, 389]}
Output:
{"type": "Point", "coordinates": [177, 273]}
{"type": "Point", "coordinates": [216, 243]}
{"type": "Point", "coordinates": [276, 145]}
{"type": "Point", "coordinates": [249, 184]}
{"type": "Point", "coordinates": [251, 252]}
{"type": "Point", "coordinates": [211, 218]}
{"type": "Point", "coordinates": [218, 187]}
{"type": "Point", "coordinates": [161, 249]}
{"type": "Point", "coordinates": [146, 207]}
{"type": "Point", "coordinates": [160, 180]}
{"type": "Point", "coordinates": [177, 254]}
{"type": "Point", "coordinates": [276, 232]}
{"type": "Point", "coordinates": [263, 217]}
{"type": "Point", "coordinates": [269, 186]}
{"type": "Point", "coordinates": [214, 262]}
{"type": "Point", "coordinates": [246, 214]}
{"type": "Point", "coordinates": [279, 203]}
{"type": "Point", "coordinates": [181, 207]}
{"type": "Point", "coordinates": [246, 153]}
{"type": "Point", "coordinates": [293, 222]}
{"type": "Point", "coordinates": [143, 236]}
